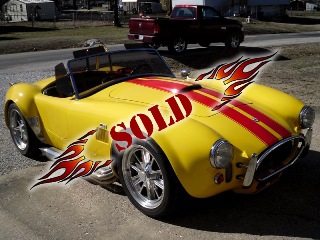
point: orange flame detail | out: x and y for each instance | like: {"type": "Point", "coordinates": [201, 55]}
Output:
{"type": "Point", "coordinates": [234, 75]}
{"type": "Point", "coordinates": [72, 164]}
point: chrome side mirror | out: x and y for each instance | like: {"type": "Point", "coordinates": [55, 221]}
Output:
{"type": "Point", "coordinates": [185, 73]}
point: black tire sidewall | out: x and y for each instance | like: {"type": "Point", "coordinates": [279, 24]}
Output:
{"type": "Point", "coordinates": [168, 178]}
{"type": "Point", "coordinates": [229, 40]}
{"type": "Point", "coordinates": [171, 45]}
{"type": "Point", "coordinates": [30, 150]}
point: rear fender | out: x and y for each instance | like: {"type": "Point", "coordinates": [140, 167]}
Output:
{"type": "Point", "coordinates": [22, 94]}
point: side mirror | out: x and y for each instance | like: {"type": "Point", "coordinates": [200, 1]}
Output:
{"type": "Point", "coordinates": [185, 73]}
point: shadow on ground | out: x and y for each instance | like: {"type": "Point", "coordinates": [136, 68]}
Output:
{"type": "Point", "coordinates": [303, 20]}
{"type": "Point", "coordinates": [205, 57]}
{"type": "Point", "coordinates": [289, 208]}
{"type": "Point", "coordinates": [8, 38]}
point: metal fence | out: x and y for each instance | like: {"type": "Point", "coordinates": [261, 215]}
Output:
{"type": "Point", "coordinates": [69, 19]}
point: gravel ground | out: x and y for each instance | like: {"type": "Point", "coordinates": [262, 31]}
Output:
{"type": "Point", "coordinates": [6, 164]}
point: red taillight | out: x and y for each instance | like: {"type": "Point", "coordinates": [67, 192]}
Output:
{"type": "Point", "coordinates": [156, 28]}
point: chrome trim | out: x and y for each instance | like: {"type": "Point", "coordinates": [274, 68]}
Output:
{"type": "Point", "coordinates": [51, 153]}
{"type": "Point", "coordinates": [280, 143]}
{"type": "Point", "coordinates": [301, 137]}
{"type": "Point", "coordinates": [255, 161]}
{"type": "Point", "coordinates": [251, 170]}
{"type": "Point", "coordinates": [308, 135]}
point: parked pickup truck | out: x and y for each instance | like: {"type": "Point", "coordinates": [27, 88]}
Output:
{"type": "Point", "coordinates": [187, 24]}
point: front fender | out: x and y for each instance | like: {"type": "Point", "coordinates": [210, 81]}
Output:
{"type": "Point", "coordinates": [187, 146]}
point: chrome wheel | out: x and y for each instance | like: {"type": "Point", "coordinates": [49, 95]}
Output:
{"type": "Point", "coordinates": [143, 177]}
{"type": "Point", "coordinates": [178, 45]}
{"type": "Point", "coordinates": [22, 135]}
{"type": "Point", "coordinates": [18, 129]}
{"type": "Point", "coordinates": [235, 41]}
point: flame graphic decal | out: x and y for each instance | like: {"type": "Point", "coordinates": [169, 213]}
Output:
{"type": "Point", "coordinates": [72, 164]}
{"type": "Point", "coordinates": [233, 75]}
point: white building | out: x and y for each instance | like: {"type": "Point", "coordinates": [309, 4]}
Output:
{"type": "Point", "coordinates": [25, 10]}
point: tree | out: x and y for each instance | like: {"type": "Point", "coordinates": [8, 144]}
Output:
{"type": "Point", "coordinates": [2, 2]}
{"type": "Point", "coordinates": [116, 20]}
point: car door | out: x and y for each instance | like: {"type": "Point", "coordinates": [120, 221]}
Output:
{"type": "Point", "coordinates": [53, 113]}
{"type": "Point", "coordinates": [83, 116]}
{"type": "Point", "coordinates": [211, 25]}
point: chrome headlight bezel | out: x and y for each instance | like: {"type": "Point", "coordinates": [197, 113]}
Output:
{"type": "Point", "coordinates": [221, 154]}
{"type": "Point", "coordinates": [306, 117]}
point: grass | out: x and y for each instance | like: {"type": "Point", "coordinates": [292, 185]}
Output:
{"type": "Point", "coordinates": [25, 37]}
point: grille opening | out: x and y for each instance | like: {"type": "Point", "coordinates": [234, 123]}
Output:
{"type": "Point", "coordinates": [279, 157]}
{"type": "Point", "coordinates": [263, 184]}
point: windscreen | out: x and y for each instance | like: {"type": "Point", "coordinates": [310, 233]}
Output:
{"type": "Point", "coordinates": [111, 67]}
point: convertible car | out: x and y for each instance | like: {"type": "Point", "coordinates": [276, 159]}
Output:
{"type": "Point", "coordinates": [163, 134]}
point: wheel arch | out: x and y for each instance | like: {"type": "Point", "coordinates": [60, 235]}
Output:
{"type": "Point", "coordinates": [188, 156]}
{"type": "Point", "coordinates": [22, 94]}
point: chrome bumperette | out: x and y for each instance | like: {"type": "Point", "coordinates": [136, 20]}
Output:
{"type": "Point", "coordinates": [299, 142]}
{"type": "Point", "coordinates": [251, 169]}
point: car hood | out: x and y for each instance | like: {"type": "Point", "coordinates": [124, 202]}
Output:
{"type": "Point", "coordinates": [246, 116]}
{"type": "Point", "coordinates": [155, 90]}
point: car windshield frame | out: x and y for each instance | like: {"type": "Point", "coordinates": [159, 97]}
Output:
{"type": "Point", "coordinates": [92, 73]}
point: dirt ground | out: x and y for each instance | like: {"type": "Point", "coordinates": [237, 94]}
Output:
{"type": "Point", "coordinates": [294, 70]}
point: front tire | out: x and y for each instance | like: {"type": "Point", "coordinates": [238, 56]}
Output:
{"type": "Point", "coordinates": [23, 137]}
{"type": "Point", "coordinates": [147, 178]}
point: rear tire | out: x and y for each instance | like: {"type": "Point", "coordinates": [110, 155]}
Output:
{"type": "Point", "coordinates": [23, 137]}
{"type": "Point", "coordinates": [177, 45]}
{"type": "Point", "coordinates": [233, 41]}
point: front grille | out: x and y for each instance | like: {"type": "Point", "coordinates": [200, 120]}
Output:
{"type": "Point", "coordinates": [278, 157]}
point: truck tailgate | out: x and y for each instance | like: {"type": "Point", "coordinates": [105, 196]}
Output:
{"type": "Point", "coordinates": [142, 26]}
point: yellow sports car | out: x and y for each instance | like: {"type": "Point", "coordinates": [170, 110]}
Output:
{"type": "Point", "coordinates": [160, 135]}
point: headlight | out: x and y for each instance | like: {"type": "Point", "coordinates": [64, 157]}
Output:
{"type": "Point", "coordinates": [307, 117]}
{"type": "Point", "coordinates": [221, 154]}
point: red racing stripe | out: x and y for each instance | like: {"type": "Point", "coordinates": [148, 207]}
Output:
{"type": "Point", "coordinates": [260, 132]}
{"type": "Point", "coordinates": [282, 131]}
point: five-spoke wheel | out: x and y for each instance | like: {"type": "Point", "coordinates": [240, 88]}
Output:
{"type": "Point", "coordinates": [22, 136]}
{"type": "Point", "coordinates": [147, 178]}
{"type": "Point", "coordinates": [178, 45]}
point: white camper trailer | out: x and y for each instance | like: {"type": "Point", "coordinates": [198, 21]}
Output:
{"type": "Point", "coordinates": [25, 10]}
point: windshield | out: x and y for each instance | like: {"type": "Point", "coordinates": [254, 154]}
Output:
{"type": "Point", "coordinates": [98, 71]}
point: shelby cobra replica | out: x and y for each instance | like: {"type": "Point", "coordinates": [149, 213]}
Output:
{"type": "Point", "coordinates": [161, 133]}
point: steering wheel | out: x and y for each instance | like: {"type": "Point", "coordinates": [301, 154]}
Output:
{"type": "Point", "coordinates": [145, 67]}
